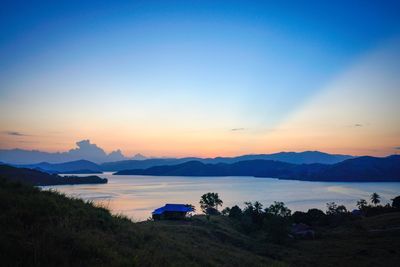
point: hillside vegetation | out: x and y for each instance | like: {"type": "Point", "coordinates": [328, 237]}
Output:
{"type": "Point", "coordinates": [43, 228]}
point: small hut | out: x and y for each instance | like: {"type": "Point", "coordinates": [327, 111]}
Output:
{"type": "Point", "coordinates": [172, 212]}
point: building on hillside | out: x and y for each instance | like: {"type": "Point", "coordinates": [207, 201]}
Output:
{"type": "Point", "coordinates": [172, 212]}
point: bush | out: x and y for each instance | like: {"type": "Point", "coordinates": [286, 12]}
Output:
{"type": "Point", "coordinates": [311, 217]}
{"type": "Point", "coordinates": [396, 202]}
{"type": "Point", "coordinates": [235, 212]}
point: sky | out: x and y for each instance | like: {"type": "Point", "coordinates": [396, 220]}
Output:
{"type": "Point", "coordinates": [201, 78]}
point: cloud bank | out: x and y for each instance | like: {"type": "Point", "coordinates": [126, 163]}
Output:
{"type": "Point", "coordinates": [84, 150]}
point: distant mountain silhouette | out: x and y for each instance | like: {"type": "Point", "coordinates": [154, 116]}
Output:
{"type": "Point", "coordinates": [197, 168]}
{"type": "Point", "coordinates": [364, 168]}
{"type": "Point", "coordinates": [35, 177]}
{"type": "Point", "coordinates": [306, 157]}
{"type": "Point", "coordinates": [84, 150]}
{"type": "Point", "coordinates": [78, 166]}
{"type": "Point", "coordinates": [138, 156]}
{"type": "Point", "coordinates": [360, 169]}
{"type": "Point", "coordinates": [116, 161]}
{"type": "Point", "coordinates": [141, 164]}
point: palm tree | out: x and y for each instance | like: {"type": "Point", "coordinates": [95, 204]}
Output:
{"type": "Point", "coordinates": [210, 200]}
{"type": "Point", "coordinates": [218, 201]}
{"type": "Point", "coordinates": [375, 199]}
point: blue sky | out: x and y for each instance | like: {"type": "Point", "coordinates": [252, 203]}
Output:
{"type": "Point", "coordinates": [170, 68]}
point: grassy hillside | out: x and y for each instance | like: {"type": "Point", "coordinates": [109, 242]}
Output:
{"type": "Point", "coordinates": [41, 228]}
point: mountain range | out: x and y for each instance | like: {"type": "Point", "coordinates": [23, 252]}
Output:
{"type": "Point", "coordinates": [306, 157]}
{"type": "Point", "coordinates": [116, 161]}
{"type": "Point", "coordinates": [85, 166]}
{"type": "Point", "coordinates": [309, 165]}
{"type": "Point", "coordinates": [361, 169]}
{"type": "Point", "coordinates": [78, 166]}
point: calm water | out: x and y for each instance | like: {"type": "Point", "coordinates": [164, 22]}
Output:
{"type": "Point", "coordinates": [138, 196]}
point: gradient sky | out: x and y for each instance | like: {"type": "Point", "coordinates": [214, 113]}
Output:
{"type": "Point", "coordinates": [201, 78]}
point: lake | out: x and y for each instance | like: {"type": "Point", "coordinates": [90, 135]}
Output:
{"type": "Point", "coordinates": [137, 196]}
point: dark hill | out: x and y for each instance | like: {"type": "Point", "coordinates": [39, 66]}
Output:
{"type": "Point", "coordinates": [197, 168]}
{"type": "Point", "coordinates": [306, 157]}
{"type": "Point", "coordinates": [363, 169]}
{"type": "Point", "coordinates": [78, 166]}
{"type": "Point", "coordinates": [43, 228]}
{"type": "Point", "coordinates": [35, 177]}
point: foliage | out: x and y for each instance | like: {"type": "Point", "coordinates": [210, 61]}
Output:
{"type": "Point", "coordinates": [255, 212]}
{"type": "Point", "coordinates": [279, 209]}
{"type": "Point", "coordinates": [396, 202]}
{"type": "Point", "coordinates": [209, 202]}
{"type": "Point", "coordinates": [334, 209]}
{"type": "Point", "coordinates": [375, 199]}
{"type": "Point", "coordinates": [226, 211]}
{"type": "Point", "coordinates": [362, 204]}
{"type": "Point", "coordinates": [235, 212]}
{"type": "Point", "coordinates": [311, 217]}
{"type": "Point", "coordinates": [212, 211]}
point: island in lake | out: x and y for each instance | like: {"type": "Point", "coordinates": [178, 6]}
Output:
{"type": "Point", "coordinates": [39, 178]}
{"type": "Point", "coordinates": [361, 169]}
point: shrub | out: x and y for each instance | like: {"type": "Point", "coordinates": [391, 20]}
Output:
{"type": "Point", "coordinates": [235, 212]}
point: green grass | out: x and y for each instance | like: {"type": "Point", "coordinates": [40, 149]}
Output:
{"type": "Point", "coordinates": [41, 228]}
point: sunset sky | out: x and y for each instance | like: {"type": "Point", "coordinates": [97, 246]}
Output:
{"type": "Point", "coordinates": [201, 78]}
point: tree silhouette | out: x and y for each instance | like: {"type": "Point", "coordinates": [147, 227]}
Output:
{"type": "Point", "coordinates": [375, 199]}
{"type": "Point", "coordinates": [361, 204]}
{"type": "Point", "coordinates": [235, 212]}
{"type": "Point", "coordinates": [210, 201]}
{"type": "Point", "coordinates": [396, 202]}
{"type": "Point", "coordinates": [334, 209]}
{"type": "Point", "coordinates": [226, 211]}
{"type": "Point", "coordinates": [279, 209]}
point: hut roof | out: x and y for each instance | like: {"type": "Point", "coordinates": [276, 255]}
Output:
{"type": "Point", "coordinates": [173, 208]}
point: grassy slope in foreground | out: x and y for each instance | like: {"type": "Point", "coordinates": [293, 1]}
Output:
{"type": "Point", "coordinates": [42, 228]}
{"type": "Point", "coordinates": [46, 228]}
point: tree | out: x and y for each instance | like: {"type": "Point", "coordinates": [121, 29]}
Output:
{"type": "Point", "coordinates": [249, 209]}
{"type": "Point", "coordinates": [210, 202]}
{"type": "Point", "coordinates": [375, 199]}
{"type": "Point", "coordinates": [279, 209]}
{"type": "Point", "coordinates": [226, 211]}
{"type": "Point", "coordinates": [361, 204]}
{"type": "Point", "coordinates": [315, 216]}
{"type": "Point", "coordinates": [254, 211]}
{"type": "Point", "coordinates": [396, 202]}
{"type": "Point", "coordinates": [334, 209]}
{"type": "Point", "coordinates": [235, 212]}
{"type": "Point", "coordinates": [331, 208]}
{"type": "Point", "coordinates": [257, 207]}
{"type": "Point", "coordinates": [341, 209]}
